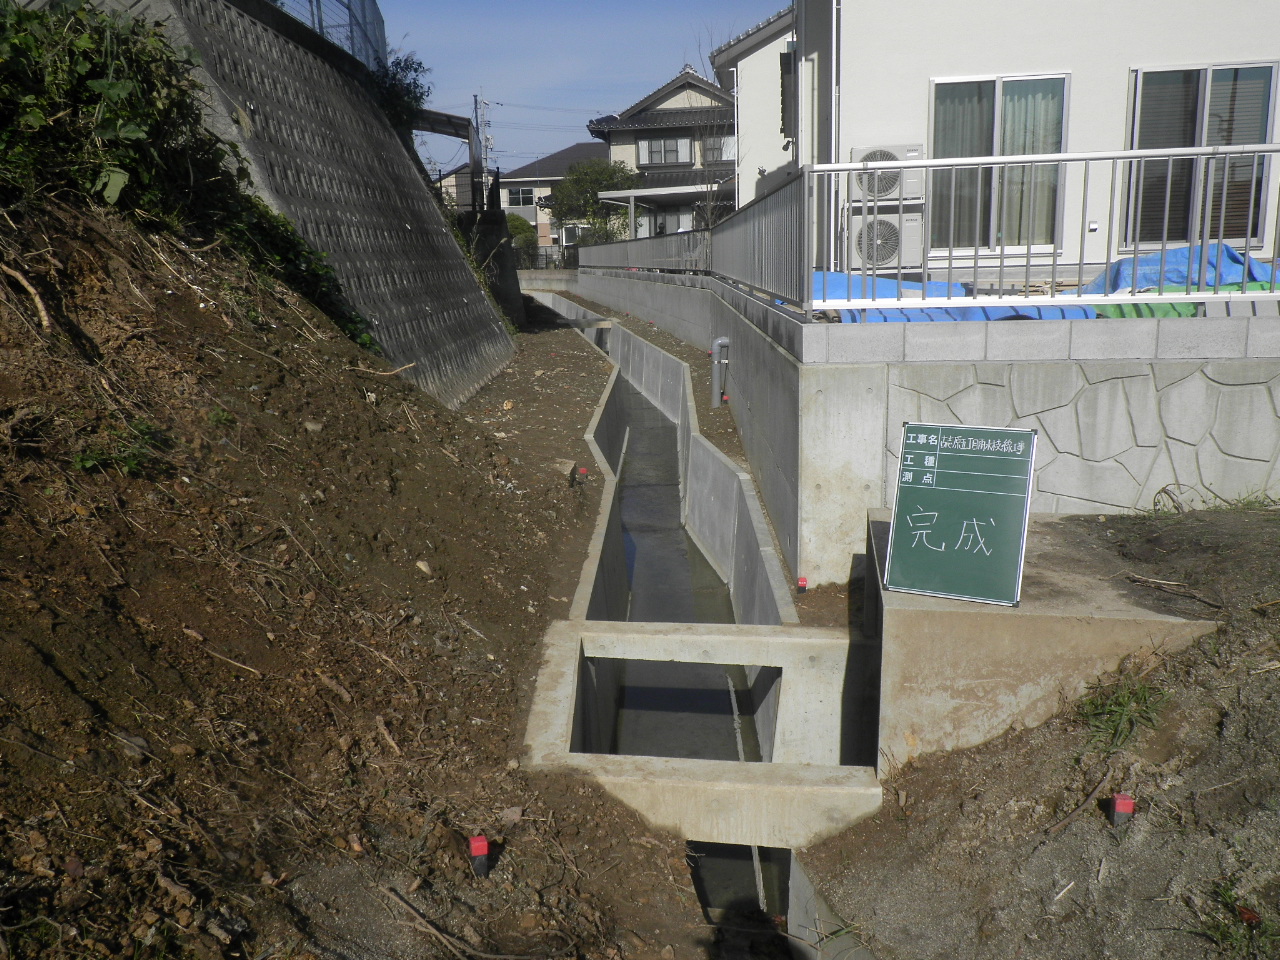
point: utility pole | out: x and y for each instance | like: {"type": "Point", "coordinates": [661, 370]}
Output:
{"type": "Point", "coordinates": [481, 111]}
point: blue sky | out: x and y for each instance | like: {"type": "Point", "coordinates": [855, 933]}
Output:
{"type": "Point", "coordinates": [547, 68]}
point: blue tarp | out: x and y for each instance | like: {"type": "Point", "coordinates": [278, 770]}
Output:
{"type": "Point", "coordinates": [840, 286]}
{"type": "Point", "coordinates": [1181, 267]}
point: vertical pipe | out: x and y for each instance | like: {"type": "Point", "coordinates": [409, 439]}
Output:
{"type": "Point", "coordinates": [719, 369]}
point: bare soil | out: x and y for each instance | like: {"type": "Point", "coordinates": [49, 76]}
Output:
{"type": "Point", "coordinates": [269, 623]}
{"type": "Point", "coordinates": [1006, 850]}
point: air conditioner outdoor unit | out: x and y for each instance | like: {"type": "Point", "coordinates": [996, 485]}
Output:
{"type": "Point", "coordinates": [889, 186]}
{"type": "Point", "coordinates": [887, 241]}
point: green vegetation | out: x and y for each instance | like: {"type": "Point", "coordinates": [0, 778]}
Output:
{"type": "Point", "coordinates": [99, 105]}
{"type": "Point", "coordinates": [402, 89]}
{"type": "Point", "coordinates": [524, 237]}
{"type": "Point", "coordinates": [1237, 929]}
{"type": "Point", "coordinates": [575, 199]}
{"type": "Point", "coordinates": [134, 451]}
{"type": "Point", "coordinates": [221, 417]}
{"type": "Point", "coordinates": [1114, 712]}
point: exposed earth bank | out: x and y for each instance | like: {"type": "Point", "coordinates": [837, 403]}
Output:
{"type": "Point", "coordinates": [269, 622]}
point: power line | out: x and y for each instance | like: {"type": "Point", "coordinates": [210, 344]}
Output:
{"type": "Point", "coordinates": [528, 106]}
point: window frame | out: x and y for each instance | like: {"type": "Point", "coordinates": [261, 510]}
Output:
{"type": "Point", "coordinates": [999, 79]}
{"type": "Point", "coordinates": [644, 151]}
{"type": "Point", "coordinates": [1194, 227]}
{"type": "Point", "coordinates": [521, 191]}
{"type": "Point", "coordinates": [720, 140]}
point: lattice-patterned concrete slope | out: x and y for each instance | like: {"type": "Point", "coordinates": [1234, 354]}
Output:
{"type": "Point", "coordinates": [323, 154]}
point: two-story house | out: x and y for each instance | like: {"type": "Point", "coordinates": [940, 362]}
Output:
{"type": "Point", "coordinates": [524, 186]}
{"type": "Point", "coordinates": [681, 140]}
{"type": "Point", "coordinates": [993, 78]}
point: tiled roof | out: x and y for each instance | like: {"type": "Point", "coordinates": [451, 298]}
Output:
{"type": "Point", "coordinates": [763, 24]}
{"type": "Point", "coordinates": [654, 119]}
{"type": "Point", "coordinates": [556, 165]}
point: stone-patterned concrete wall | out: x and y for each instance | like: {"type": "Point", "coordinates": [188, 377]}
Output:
{"type": "Point", "coordinates": [323, 154]}
{"type": "Point", "coordinates": [1113, 435]}
{"type": "Point", "coordinates": [1131, 413]}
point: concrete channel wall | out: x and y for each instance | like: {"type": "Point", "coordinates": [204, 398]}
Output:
{"type": "Point", "coordinates": [1131, 413]}
{"type": "Point", "coordinates": [322, 153]}
{"type": "Point", "coordinates": [606, 593]}
{"type": "Point", "coordinates": [722, 512]}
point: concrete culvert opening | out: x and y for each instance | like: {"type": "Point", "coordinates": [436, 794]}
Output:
{"type": "Point", "coordinates": [663, 708]}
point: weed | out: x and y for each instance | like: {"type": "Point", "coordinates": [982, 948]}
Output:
{"type": "Point", "coordinates": [1237, 929]}
{"type": "Point", "coordinates": [1114, 712]}
{"type": "Point", "coordinates": [221, 417]}
{"type": "Point", "coordinates": [102, 105]}
{"type": "Point", "coordinates": [133, 451]}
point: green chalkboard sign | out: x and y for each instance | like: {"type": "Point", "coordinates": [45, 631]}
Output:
{"type": "Point", "coordinates": [960, 515]}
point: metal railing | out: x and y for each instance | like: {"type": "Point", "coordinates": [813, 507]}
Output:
{"type": "Point", "coordinates": [354, 25]}
{"type": "Point", "coordinates": [762, 245]}
{"type": "Point", "coordinates": [1134, 226]}
{"type": "Point", "coordinates": [1042, 228]}
{"type": "Point", "coordinates": [687, 252]}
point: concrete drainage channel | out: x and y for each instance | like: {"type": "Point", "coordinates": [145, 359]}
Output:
{"type": "Point", "coordinates": [682, 681]}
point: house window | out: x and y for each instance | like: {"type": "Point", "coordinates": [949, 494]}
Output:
{"type": "Point", "coordinates": [569, 234]}
{"type": "Point", "coordinates": [719, 149]}
{"type": "Point", "coordinates": [520, 196]}
{"type": "Point", "coordinates": [1216, 106]}
{"type": "Point", "coordinates": [1009, 116]}
{"type": "Point", "coordinates": [666, 150]}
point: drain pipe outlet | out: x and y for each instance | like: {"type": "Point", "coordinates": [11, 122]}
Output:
{"type": "Point", "coordinates": [719, 369]}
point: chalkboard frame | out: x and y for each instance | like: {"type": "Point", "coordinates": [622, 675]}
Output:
{"type": "Point", "coordinates": [1002, 489]}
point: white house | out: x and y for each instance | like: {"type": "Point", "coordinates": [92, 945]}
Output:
{"type": "Point", "coordinates": [993, 77]}
{"type": "Point", "coordinates": [680, 138]}
{"type": "Point", "coordinates": [759, 67]}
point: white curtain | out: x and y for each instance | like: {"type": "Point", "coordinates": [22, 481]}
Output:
{"type": "Point", "coordinates": [964, 125]}
{"type": "Point", "coordinates": [963, 120]}
{"type": "Point", "coordinates": [1030, 122]}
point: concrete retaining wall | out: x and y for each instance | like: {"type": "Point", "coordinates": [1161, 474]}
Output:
{"type": "Point", "coordinates": [548, 280]}
{"type": "Point", "coordinates": [722, 512]}
{"type": "Point", "coordinates": [1131, 413]}
{"type": "Point", "coordinates": [323, 155]}
{"type": "Point", "coordinates": [604, 591]}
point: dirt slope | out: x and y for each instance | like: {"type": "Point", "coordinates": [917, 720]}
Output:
{"type": "Point", "coordinates": [1005, 850]}
{"type": "Point", "coordinates": [268, 625]}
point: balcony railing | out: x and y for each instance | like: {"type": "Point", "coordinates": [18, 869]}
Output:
{"type": "Point", "coordinates": [687, 252]}
{"type": "Point", "coordinates": [1149, 226]}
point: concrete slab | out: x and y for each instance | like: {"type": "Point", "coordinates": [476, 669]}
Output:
{"type": "Point", "coordinates": [799, 797]}
{"type": "Point", "coordinates": [955, 673]}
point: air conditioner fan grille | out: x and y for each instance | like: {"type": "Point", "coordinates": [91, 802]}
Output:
{"type": "Point", "coordinates": [878, 242]}
{"type": "Point", "coordinates": [879, 183]}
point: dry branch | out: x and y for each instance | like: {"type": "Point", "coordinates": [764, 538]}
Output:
{"type": "Point", "coordinates": [45, 323]}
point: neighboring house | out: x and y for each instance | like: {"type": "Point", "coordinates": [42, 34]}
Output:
{"type": "Point", "coordinates": [525, 186]}
{"type": "Point", "coordinates": [759, 67]}
{"type": "Point", "coordinates": [994, 77]}
{"type": "Point", "coordinates": [681, 140]}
